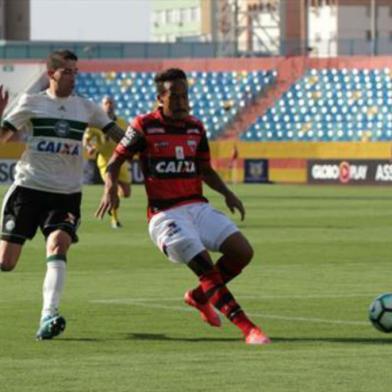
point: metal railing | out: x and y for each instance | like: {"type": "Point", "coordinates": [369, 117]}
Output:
{"type": "Point", "coordinates": [153, 50]}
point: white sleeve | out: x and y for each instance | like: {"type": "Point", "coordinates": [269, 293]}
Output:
{"type": "Point", "coordinates": [21, 114]}
{"type": "Point", "coordinates": [98, 118]}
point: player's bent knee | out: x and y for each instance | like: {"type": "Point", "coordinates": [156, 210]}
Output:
{"type": "Point", "coordinates": [247, 254]}
{"type": "Point", "coordinates": [238, 248]}
{"type": "Point", "coordinates": [58, 242]}
{"type": "Point", "coordinates": [124, 190]}
{"type": "Point", "coordinates": [126, 194]}
{"type": "Point", "coordinates": [9, 255]}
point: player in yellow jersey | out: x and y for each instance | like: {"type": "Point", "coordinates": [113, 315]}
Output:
{"type": "Point", "coordinates": [97, 143]}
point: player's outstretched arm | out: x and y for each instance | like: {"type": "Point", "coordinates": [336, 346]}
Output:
{"type": "Point", "coordinates": [88, 144]}
{"type": "Point", "coordinates": [110, 198]}
{"type": "Point", "coordinates": [115, 132]}
{"type": "Point", "coordinates": [213, 180]}
{"type": "Point", "coordinates": [5, 134]}
{"type": "Point", "coordinates": [3, 99]}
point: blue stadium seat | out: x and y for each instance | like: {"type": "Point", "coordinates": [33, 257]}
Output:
{"type": "Point", "coordinates": [330, 105]}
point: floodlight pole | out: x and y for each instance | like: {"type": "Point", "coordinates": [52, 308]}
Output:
{"type": "Point", "coordinates": [236, 27]}
{"type": "Point", "coordinates": [373, 26]}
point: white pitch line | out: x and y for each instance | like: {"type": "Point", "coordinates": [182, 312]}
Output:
{"type": "Point", "coordinates": [308, 296]}
{"type": "Point", "coordinates": [254, 297]}
{"type": "Point", "coordinates": [141, 303]}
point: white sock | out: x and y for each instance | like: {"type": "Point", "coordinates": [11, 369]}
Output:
{"type": "Point", "coordinates": [53, 285]}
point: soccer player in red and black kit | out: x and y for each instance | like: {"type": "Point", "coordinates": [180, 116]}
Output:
{"type": "Point", "coordinates": [175, 158]}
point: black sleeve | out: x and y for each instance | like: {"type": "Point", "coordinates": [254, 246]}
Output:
{"type": "Point", "coordinates": [107, 127]}
{"type": "Point", "coordinates": [133, 142]}
{"type": "Point", "coordinates": [8, 125]}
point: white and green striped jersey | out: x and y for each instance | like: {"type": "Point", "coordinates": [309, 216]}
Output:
{"type": "Point", "coordinates": [53, 159]}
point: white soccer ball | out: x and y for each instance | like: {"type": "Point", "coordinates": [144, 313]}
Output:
{"type": "Point", "coordinates": [380, 312]}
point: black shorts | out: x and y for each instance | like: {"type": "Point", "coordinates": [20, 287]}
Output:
{"type": "Point", "coordinates": [25, 209]}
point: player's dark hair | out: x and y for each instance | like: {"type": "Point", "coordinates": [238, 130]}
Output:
{"type": "Point", "coordinates": [168, 75]}
{"type": "Point", "coordinates": [56, 59]}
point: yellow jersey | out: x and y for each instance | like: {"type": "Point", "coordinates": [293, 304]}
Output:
{"type": "Point", "coordinates": [104, 147]}
{"type": "Point", "coordinates": [102, 143]}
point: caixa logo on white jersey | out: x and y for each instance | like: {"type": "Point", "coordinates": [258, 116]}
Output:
{"type": "Point", "coordinates": [58, 147]}
{"type": "Point", "coordinates": [338, 172]}
{"type": "Point", "coordinates": [175, 167]}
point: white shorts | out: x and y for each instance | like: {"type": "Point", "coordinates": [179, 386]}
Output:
{"type": "Point", "coordinates": [185, 231]}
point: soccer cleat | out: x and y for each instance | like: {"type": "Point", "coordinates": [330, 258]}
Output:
{"type": "Point", "coordinates": [116, 225]}
{"type": "Point", "coordinates": [207, 312]}
{"type": "Point", "coordinates": [257, 336]}
{"type": "Point", "coordinates": [50, 327]}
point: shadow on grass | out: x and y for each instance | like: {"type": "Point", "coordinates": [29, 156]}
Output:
{"type": "Point", "coordinates": [147, 337]}
{"type": "Point", "coordinates": [351, 340]}
{"type": "Point", "coordinates": [198, 339]}
{"type": "Point", "coordinates": [87, 340]}
{"type": "Point", "coordinates": [163, 337]}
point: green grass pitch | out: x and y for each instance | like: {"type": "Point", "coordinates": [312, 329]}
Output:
{"type": "Point", "coordinates": [321, 255]}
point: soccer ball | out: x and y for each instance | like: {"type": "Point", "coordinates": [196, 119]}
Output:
{"type": "Point", "coordinates": [380, 312]}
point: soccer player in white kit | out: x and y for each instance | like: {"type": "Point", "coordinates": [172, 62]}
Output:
{"type": "Point", "coordinates": [46, 192]}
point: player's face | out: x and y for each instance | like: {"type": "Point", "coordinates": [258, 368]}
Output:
{"type": "Point", "coordinates": [175, 101]}
{"type": "Point", "coordinates": [62, 79]}
{"type": "Point", "coordinates": [108, 106]}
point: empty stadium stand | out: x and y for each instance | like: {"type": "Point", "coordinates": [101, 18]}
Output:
{"type": "Point", "coordinates": [330, 105]}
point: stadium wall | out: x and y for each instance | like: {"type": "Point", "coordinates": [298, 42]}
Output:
{"type": "Point", "coordinates": [238, 64]}
{"type": "Point", "coordinates": [288, 160]}
{"type": "Point", "coordinates": [12, 150]}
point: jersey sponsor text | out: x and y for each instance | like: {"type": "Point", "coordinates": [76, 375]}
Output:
{"type": "Point", "coordinates": [58, 147]}
{"type": "Point", "coordinates": [174, 167]}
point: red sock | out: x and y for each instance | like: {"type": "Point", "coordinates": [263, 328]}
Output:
{"type": "Point", "coordinates": [228, 270]}
{"type": "Point", "coordinates": [218, 294]}
{"type": "Point", "coordinates": [199, 296]}
{"type": "Point", "coordinates": [243, 323]}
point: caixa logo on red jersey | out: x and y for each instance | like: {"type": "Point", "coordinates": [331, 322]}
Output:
{"type": "Point", "coordinates": [174, 167]}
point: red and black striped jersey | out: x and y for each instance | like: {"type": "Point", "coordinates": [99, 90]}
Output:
{"type": "Point", "coordinates": [170, 154]}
